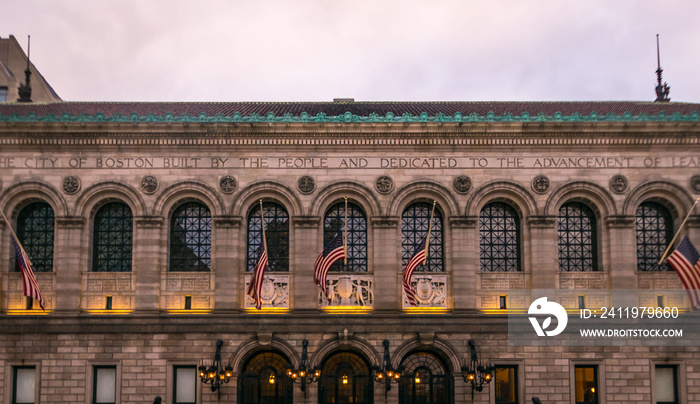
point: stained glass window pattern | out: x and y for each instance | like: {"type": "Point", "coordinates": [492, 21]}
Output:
{"type": "Point", "coordinates": [112, 238]}
{"type": "Point", "coordinates": [276, 232]}
{"type": "Point", "coordinates": [654, 234]}
{"type": "Point", "coordinates": [357, 235]}
{"type": "Point", "coordinates": [499, 231]}
{"type": "Point", "coordinates": [414, 227]}
{"type": "Point", "coordinates": [190, 238]}
{"type": "Point", "coordinates": [35, 230]}
{"type": "Point", "coordinates": [576, 233]}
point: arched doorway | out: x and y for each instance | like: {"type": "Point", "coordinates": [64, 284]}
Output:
{"type": "Point", "coordinates": [263, 380]}
{"type": "Point", "coordinates": [346, 378]}
{"type": "Point", "coordinates": [425, 380]}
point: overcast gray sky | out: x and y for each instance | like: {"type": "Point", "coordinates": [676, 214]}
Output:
{"type": "Point", "coordinates": [207, 50]}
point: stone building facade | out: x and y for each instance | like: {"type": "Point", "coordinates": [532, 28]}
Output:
{"type": "Point", "coordinates": [145, 221]}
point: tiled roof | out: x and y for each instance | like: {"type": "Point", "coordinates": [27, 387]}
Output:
{"type": "Point", "coordinates": [361, 109]}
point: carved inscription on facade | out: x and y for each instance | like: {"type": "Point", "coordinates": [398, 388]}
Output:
{"type": "Point", "coordinates": [659, 280]}
{"type": "Point", "coordinates": [504, 281]}
{"type": "Point", "coordinates": [581, 281]}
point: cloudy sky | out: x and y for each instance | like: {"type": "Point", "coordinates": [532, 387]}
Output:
{"type": "Point", "coordinates": [317, 50]}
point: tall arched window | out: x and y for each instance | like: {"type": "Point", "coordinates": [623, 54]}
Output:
{"type": "Point", "coordinates": [499, 231]}
{"type": "Point", "coordinates": [345, 378]}
{"type": "Point", "coordinates": [654, 234]}
{"type": "Point", "coordinates": [35, 224]}
{"type": "Point", "coordinates": [190, 238]}
{"type": "Point", "coordinates": [357, 235]}
{"type": "Point", "coordinates": [425, 380]}
{"type": "Point", "coordinates": [112, 238]}
{"type": "Point", "coordinates": [576, 232]}
{"type": "Point", "coordinates": [264, 380]}
{"type": "Point", "coordinates": [414, 227]}
{"type": "Point", "coordinates": [276, 233]}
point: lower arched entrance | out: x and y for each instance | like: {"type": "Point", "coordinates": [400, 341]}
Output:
{"type": "Point", "coordinates": [346, 378]}
{"type": "Point", "coordinates": [263, 380]}
{"type": "Point", "coordinates": [425, 380]}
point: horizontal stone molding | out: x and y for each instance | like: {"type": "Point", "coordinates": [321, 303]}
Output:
{"type": "Point", "coordinates": [306, 221]}
{"type": "Point", "coordinates": [463, 222]}
{"type": "Point", "coordinates": [228, 222]}
{"type": "Point", "coordinates": [149, 222]}
{"type": "Point", "coordinates": [620, 222]}
{"type": "Point", "coordinates": [384, 221]}
{"type": "Point", "coordinates": [70, 222]}
{"type": "Point", "coordinates": [542, 222]}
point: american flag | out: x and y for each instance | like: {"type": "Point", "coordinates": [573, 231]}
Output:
{"type": "Point", "coordinates": [332, 252]}
{"type": "Point", "coordinates": [416, 260]}
{"type": "Point", "coordinates": [686, 261]}
{"type": "Point", "coordinates": [31, 287]}
{"type": "Point", "coordinates": [256, 282]}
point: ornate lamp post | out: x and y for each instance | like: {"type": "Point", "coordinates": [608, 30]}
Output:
{"type": "Point", "coordinates": [386, 374]}
{"type": "Point", "coordinates": [215, 374]}
{"type": "Point", "coordinates": [304, 374]}
{"type": "Point", "coordinates": [477, 373]}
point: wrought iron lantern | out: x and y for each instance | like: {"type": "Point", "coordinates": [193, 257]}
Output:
{"type": "Point", "coordinates": [304, 374]}
{"type": "Point", "coordinates": [215, 374]}
{"type": "Point", "coordinates": [387, 374]}
{"type": "Point", "coordinates": [477, 373]}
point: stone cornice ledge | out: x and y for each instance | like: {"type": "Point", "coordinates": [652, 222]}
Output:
{"type": "Point", "coordinates": [384, 221]}
{"type": "Point", "coordinates": [228, 221]}
{"type": "Point", "coordinates": [541, 222]}
{"type": "Point", "coordinates": [306, 221]}
{"type": "Point", "coordinates": [463, 222]}
{"type": "Point", "coordinates": [70, 222]}
{"type": "Point", "coordinates": [149, 222]}
{"type": "Point", "coordinates": [620, 222]}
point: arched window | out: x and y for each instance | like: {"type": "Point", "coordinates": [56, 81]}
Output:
{"type": "Point", "coordinates": [357, 235]}
{"type": "Point", "coordinates": [112, 238]}
{"type": "Point", "coordinates": [190, 238]}
{"type": "Point", "coordinates": [35, 224]}
{"type": "Point", "coordinates": [654, 234]}
{"type": "Point", "coordinates": [576, 232]}
{"type": "Point", "coordinates": [345, 378]}
{"type": "Point", "coordinates": [414, 228]}
{"type": "Point", "coordinates": [276, 233]}
{"type": "Point", "coordinates": [425, 380]}
{"type": "Point", "coordinates": [264, 380]}
{"type": "Point", "coordinates": [499, 231]}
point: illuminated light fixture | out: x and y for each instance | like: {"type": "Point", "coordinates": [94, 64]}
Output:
{"type": "Point", "coordinates": [345, 379]}
{"type": "Point", "coordinates": [477, 373]}
{"type": "Point", "coordinates": [304, 374]}
{"type": "Point", "coordinates": [417, 379]}
{"type": "Point", "coordinates": [271, 379]}
{"type": "Point", "coordinates": [387, 373]}
{"type": "Point", "coordinates": [592, 389]}
{"type": "Point", "coordinates": [215, 374]}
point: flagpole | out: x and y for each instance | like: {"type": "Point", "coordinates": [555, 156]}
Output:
{"type": "Point", "coordinates": [430, 228]}
{"type": "Point", "coordinates": [262, 225]}
{"type": "Point", "coordinates": [678, 232]}
{"type": "Point", "coordinates": [345, 233]}
{"type": "Point", "coordinates": [10, 226]}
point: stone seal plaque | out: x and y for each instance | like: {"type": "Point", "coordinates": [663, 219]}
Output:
{"type": "Point", "coordinates": [384, 184]}
{"type": "Point", "coordinates": [149, 184]}
{"type": "Point", "coordinates": [71, 185]}
{"type": "Point", "coordinates": [462, 184]}
{"type": "Point", "coordinates": [540, 184]}
{"type": "Point", "coordinates": [618, 184]}
{"type": "Point", "coordinates": [695, 183]}
{"type": "Point", "coordinates": [306, 184]}
{"type": "Point", "coordinates": [227, 184]}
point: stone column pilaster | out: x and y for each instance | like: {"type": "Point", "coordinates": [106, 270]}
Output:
{"type": "Point", "coordinates": [226, 259]}
{"type": "Point", "coordinates": [623, 252]}
{"type": "Point", "coordinates": [543, 239]}
{"type": "Point", "coordinates": [465, 261]}
{"type": "Point", "coordinates": [386, 263]}
{"type": "Point", "coordinates": [69, 231]}
{"type": "Point", "coordinates": [305, 230]}
{"type": "Point", "coordinates": [147, 264]}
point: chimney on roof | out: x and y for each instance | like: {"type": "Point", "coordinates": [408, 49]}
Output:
{"type": "Point", "coordinates": [662, 91]}
{"type": "Point", "coordinates": [343, 100]}
{"type": "Point", "coordinates": [25, 89]}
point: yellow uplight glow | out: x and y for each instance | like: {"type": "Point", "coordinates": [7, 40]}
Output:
{"type": "Point", "coordinates": [28, 312]}
{"type": "Point", "coordinates": [110, 312]}
{"type": "Point", "coordinates": [345, 379]}
{"type": "Point", "coordinates": [183, 311]}
{"type": "Point", "coordinates": [268, 310]}
{"type": "Point", "coordinates": [426, 310]}
{"type": "Point", "coordinates": [347, 309]}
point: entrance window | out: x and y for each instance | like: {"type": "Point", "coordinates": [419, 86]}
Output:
{"type": "Point", "coordinates": [264, 380]}
{"type": "Point", "coordinates": [345, 379]}
{"type": "Point", "coordinates": [425, 380]}
{"type": "Point", "coordinates": [586, 384]}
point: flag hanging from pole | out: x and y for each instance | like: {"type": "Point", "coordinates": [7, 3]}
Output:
{"type": "Point", "coordinates": [256, 281]}
{"type": "Point", "coordinates": [31, 287]}
{"type": "Point", "coordinates": [332, 252]}
{"type": "Point", "coordinates": [686, 261]}
{"type": "Point", "coordinates": [417, 259]}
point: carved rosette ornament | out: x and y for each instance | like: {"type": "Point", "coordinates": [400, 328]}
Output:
{"type": "Point", "coordinates": [227, 184]}
{"type": "Point", "coordinates": [618, 184]}
{"type": "Point", "coordinates": [149, 184]}
{"type": "Point", "coordinates": [462, 184]}
{"type": "Point", "coordinates": [695, 184]}
{"type": "Point", "coordinates": [540, 184]}
{"type": "Point", "coordinates": [306, 184]}
{"type": "Point", "coordinates": [384, 184]}
{"type": "Point", "coordinates": [71, 185]}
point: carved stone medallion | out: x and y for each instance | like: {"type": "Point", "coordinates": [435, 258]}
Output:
{"type": "Point", "coordinates": [540, 184]}
{"type": "Point", "coordinates": [618, 184]}
{"type": "Point", "coordinates": [306, 184]}
{"type": "Point", "coordinates": [384, 184]}
{"type": "Point", "coordinates": [695, 184]}
{"type": "Point", "coordinates": [462, 184]}
{"type": "Point", "coordinates": [71, 185]}
{"type": "Point", "coordinates": [149, 184]}
{"type": "Point", "coordinates": [227, 184]}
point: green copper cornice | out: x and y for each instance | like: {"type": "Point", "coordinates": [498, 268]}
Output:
{"type": "Point", "coordinates": [348, 117]}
